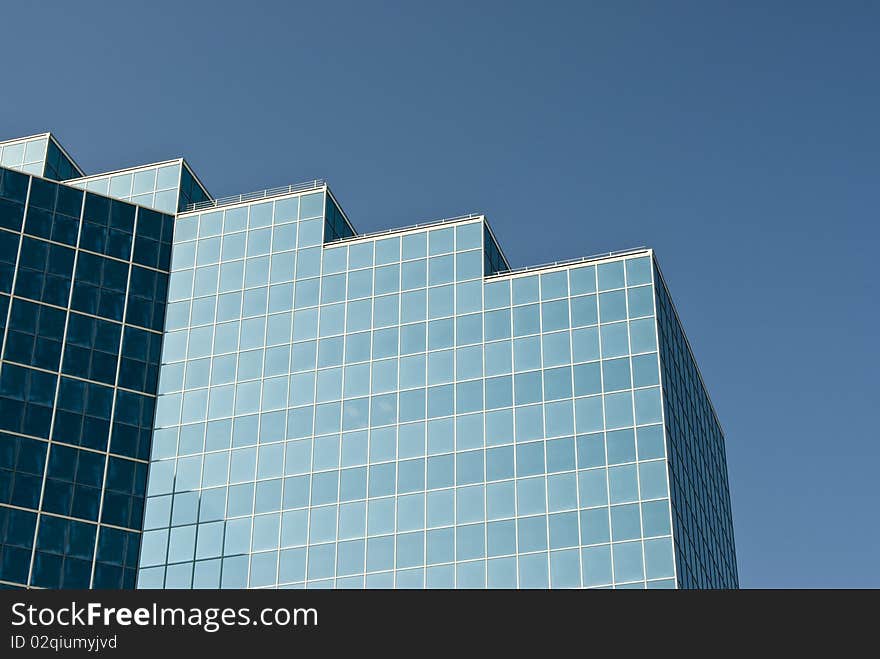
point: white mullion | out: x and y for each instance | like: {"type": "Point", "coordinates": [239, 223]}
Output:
{"type": "Point", "coordinates": [262, 377]}
{"type": "Point", "coordinates": [287, 376]}
{"type": "Point", "coordinates": [544, 428]}
{"type": "Point", "coordinates": [607, 468]}
{"type": "Point", "coordinates": [577, 480]}
{"type": "Point", "coordinates": [311, 471]}
{"type": "Point", "coordinates": [632, 394]}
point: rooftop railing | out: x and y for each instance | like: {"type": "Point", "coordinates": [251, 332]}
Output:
{"type": "Point", "coordinates": [255, 196]}
{"type": "Point", "coordinates": [411, 227]}
{"type": "Point", "coordinates": [556, 264]}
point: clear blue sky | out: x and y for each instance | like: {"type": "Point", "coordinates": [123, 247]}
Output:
{"type": "Point", "coordinates": [740, 140]}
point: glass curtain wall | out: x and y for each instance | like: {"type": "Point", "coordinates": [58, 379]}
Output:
{"type": "Point", "coordinates": [375, 413]}
{"type": "Point", "coordinates": [82, 295]}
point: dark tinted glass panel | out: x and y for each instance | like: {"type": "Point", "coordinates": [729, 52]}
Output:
{"type": "Point", "coordinates": [335, 224]}
{"type": "Point", "coordinates": [83, 414]}
{"type": "Point", "coordinates": [99, 286]}
{"type": "Point", "coordinates": [8, 255]}
{"type": "Point", "coordinates": [116, 558]}
{"type": "Point", "coordinates": [21, 470]}
{"type": "Point", "coordinates": [190, 191]}
{"type": "Point", "coordinates": [44, 271]}
{"type": "Point", "coordinates": [132, 425]}
{"type": "Point", "coordinates": [140, 360]}
{"type": "Point", "coordinates": [53, 211]}
{"type": "Point", "coordinates": [146, 298]}
{"type": "Point", "coordinates": [73, 482]}
{"type": "Point", "coordinates": [64, 553]}
{"type": "Point", "coordinates": [35, 335]}
{"type": "Point", "coordinates": [698, 485]}
{"type": "Point", "coordinates": [16, 540]}
{"type": "Point", "coordinates": [13, 185]}
{"type": "Point", "coordinates": [152, 245]}
{"type": "Point", "coordinates": [26, 398]}
{"type": "Point", "coordinates": [108, 226]}
{"type": "Point", "coordinates": [92, 348]}
{"type": "Point", "coordinates": [13, 192]}
{"type": "Point", "coordinates": [58, 166]}
{"type": "Point", "coordinates": [124, 493]}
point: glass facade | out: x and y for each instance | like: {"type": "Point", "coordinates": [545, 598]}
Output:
{"type": "Point", "coordinates": [336, 224]}
{"type": "Point", "coordinates": [377, 412]}
{"type": "Point", "coordinates": [701, 514]}
{"type": "Point", "coordinates": [276, 401]}
{"type": "Point", "coordinates": [26, 155]}
{"type": "Point", "coordinates": [82, 293]}
{"type": "Point", "coordinates": [168, 187]}
{"type": "Point", "coordinates": [41, 155]}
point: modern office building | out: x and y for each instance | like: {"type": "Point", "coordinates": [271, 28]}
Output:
{"type": "Point", "coordinates": [244, 392]}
